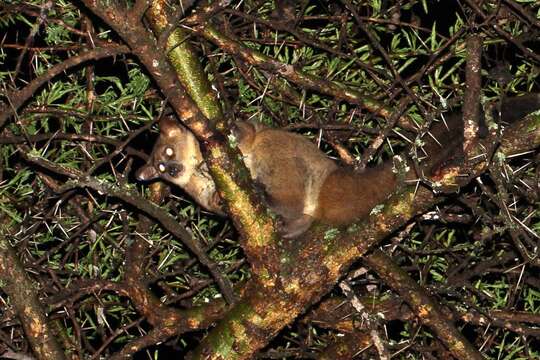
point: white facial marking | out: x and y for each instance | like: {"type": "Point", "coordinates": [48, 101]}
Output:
{"type": "Point", "coordinates": [190, 158]}
{"type": "Point", "coordinates": [169, 151]}
{"type": "Point", "coordinates": [161, 168]}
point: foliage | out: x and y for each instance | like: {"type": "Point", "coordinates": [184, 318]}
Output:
{"type": "Point", "coordinates": [471, 258]}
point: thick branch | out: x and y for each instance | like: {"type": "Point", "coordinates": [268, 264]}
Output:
{"type": "Point", "coordinates": [225, 165]}
{"type": "Point", "coordinates": [24, 297]}
{"type": "Point", "coordinates": [265, 311]}
{"type": "Point", "coordinates": [423, 305]}
{"type": "Point", "coordinates": [471, 100]}
{"type": "Point", "coordinates": [184, 59]}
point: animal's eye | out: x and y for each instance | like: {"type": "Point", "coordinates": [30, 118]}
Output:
{"type": "Point", "coordinates": [169, 151]}
{"type": "Point", "coordinates": [162, 167]}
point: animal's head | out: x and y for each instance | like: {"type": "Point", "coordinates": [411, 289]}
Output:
{"type": "Point", "coordinates": [176, 155]}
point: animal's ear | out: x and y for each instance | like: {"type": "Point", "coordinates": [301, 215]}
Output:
{"type": "Point", "coordinates": [244, 132]}
{"type": "Point", "coordinates": [146, 172]}
{"type": "Point", "coordinates": [168, 126]}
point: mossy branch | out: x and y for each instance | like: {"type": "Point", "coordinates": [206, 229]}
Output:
{"type": "Point", "coordinates": [24, 297]}
{"type": "Point", "coordinates": [224, 162]}
{"type": "Point", "coordinates": [264, 311]}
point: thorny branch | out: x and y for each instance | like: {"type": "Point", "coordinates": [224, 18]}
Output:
{"type": "Point", "coordinates": [286, 278]}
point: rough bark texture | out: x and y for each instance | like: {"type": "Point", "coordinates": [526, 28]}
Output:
{"type": "Point", "coordinates": [287, 276]}
{"type": "Point", "coordinates": [24, 296]}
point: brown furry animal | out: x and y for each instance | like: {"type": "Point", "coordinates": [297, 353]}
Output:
{"type": "Point", "coordinates": [300, 182]}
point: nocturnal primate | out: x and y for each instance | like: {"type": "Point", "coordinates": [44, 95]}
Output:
{"type": "Point", "coordinates": [301, 184]}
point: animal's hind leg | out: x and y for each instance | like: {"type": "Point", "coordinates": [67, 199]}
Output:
{"type": "Point", "coordinates": [296, 227]}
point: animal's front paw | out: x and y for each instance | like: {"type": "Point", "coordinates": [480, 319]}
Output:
{"type": "Point", "coordinates": [294, 228]}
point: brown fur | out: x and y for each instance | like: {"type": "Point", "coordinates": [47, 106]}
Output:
{"type": "Point", "coordinates": [177, 158]}
{"type": "Point", "coordinates": [347, 196]}
{"type": "Point", "coordinates": [300, 182]}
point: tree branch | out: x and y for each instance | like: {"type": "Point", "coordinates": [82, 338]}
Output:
{"type": "Point", "coordinates": [24, 297]}
{"type": "Point", "coordinates": [16, 98]}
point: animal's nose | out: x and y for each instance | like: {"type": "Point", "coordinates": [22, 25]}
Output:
{"type": "Point", "coordinates": [174, 169]}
